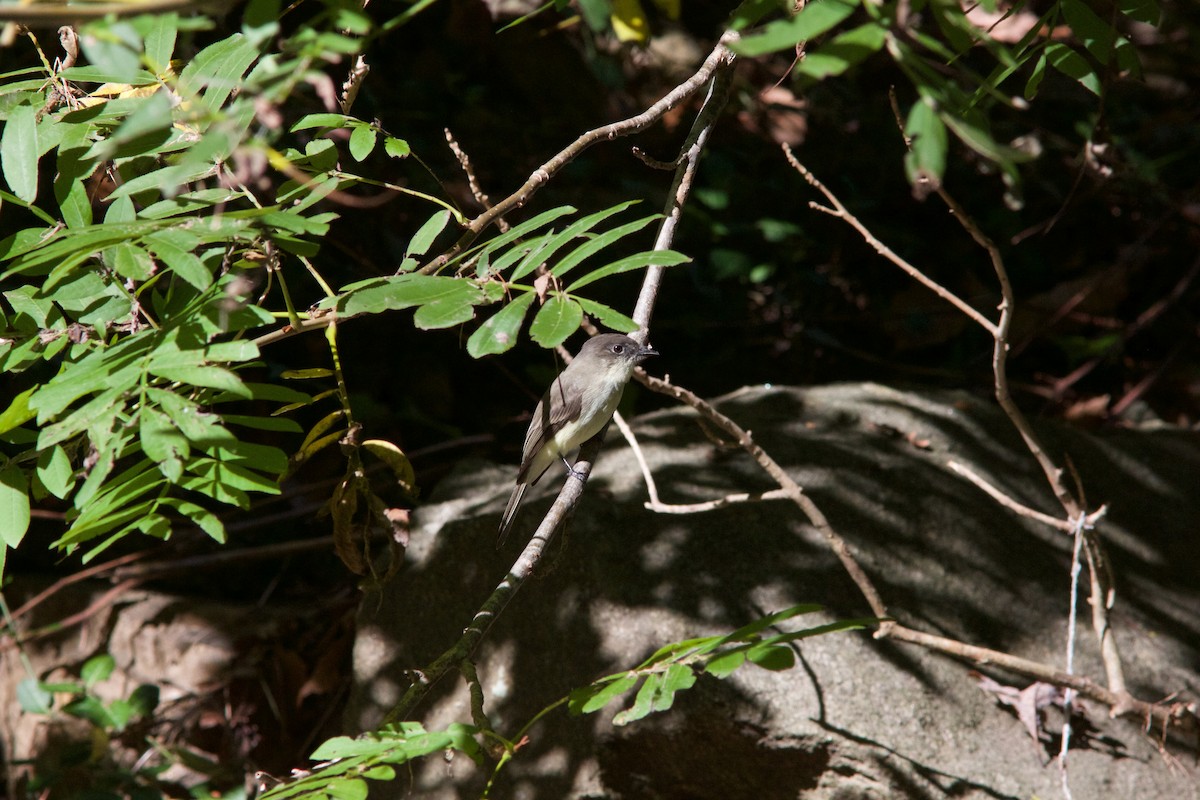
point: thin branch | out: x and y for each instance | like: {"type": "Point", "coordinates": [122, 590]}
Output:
{"type": "Point", "coordinates": [1000, 497]}
{"type": "Point", "coordinates": [632, 441]}
{"type": "Point", "coordinates": [1000, 359]}
{"type": "Point", "coordinates": [353, 83]}
{"type": "Point", "coordinates": [720, 502]}
{"type": "Point", "coordinates": [1101, 589]}
{"type": "Point", "coordinates": [544, 173]}
{"type": "Point", "coordinates": [840, 212]}
{"type": "Point", "coordinates": [1183, 715]}
{"type": "Point", "coordinates": [792, 489]}
{"type": "Point", "coordinates": [681, 187]}
{"type": "Point", "coordinates": [522, 570]}
{"type": "Point", "coordinates": [464, 162]}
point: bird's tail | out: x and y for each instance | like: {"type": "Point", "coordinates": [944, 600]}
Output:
{"type": "Point", "coordinates": [510, 511]}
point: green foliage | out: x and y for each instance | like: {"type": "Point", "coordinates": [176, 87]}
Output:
{"type": "Point", "coordinates": [352, 762]}
{"type": "Point", "coordinates": [106, 721]}
{"type": "Point", "coordinates": [128, 319]}
{"type": "Point", "coordinates": [673, 667]}
{"type": "Point", "coordinates": [504, 265]}
{"type": "Point", "coordinates": [933, 51]}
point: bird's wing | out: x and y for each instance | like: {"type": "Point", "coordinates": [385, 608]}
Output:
{"type": "Point", "coordinates": [561, 405]}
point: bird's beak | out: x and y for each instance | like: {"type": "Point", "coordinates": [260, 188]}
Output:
{"type": "Point", "coordinates": [645, 352]}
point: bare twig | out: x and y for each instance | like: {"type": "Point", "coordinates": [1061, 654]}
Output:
{"type": "Point", "coordinates": [522, 570]}
{"type": "Point", "coordinates": [99, 604]}
{"type": "Point", "coordinates": [792, 489]}
{"type": "Point", "coordinates": [632, 441]}
{"type": "Point", "coordinates": [1101, 589]}
{"type": "Point", "coordinates": [1066, 526]}
{"type": "Point", "coordinates": [476, 190]}
{"type": "Point", "coordinates": [681, 187]}
{"type": "Point", "coordinates": [720, 502]}
{"type": "Point", "coordinates": [836, 209]}
{"type": "Point", "coordinates": [354, 81]}
{"type": "Point", "coordinates": [626, 127]}
{"type": "Point", "coordinates": [1166, 715]}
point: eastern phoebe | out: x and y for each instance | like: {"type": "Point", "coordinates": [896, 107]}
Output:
{"type": "Point", "coordinates": [578, 404]}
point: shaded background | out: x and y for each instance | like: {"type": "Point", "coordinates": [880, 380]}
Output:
{"type": "Point", "coordinates": [1102, 250]}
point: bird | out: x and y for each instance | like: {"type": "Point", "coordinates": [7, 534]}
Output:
{"type": "Point", "coordinates": [576, 406]}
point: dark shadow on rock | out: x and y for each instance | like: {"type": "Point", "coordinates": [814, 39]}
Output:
{"type": "Point", "coordinates": [945, 557]}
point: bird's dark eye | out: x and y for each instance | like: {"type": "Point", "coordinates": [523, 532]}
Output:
{"type": "Point", "coordinates": [618, 348]}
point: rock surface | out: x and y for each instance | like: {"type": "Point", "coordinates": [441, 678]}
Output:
{"type": "Point", "coordinates": [856, 717]}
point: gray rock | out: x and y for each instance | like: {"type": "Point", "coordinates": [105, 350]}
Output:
{"type": "Point", "coordinates": [856, 717]}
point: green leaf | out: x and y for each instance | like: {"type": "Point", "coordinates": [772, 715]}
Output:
{"type": "Point", "coordinates": [14, 505]}
{"type": "Point", "coordinates": [218, 68]}
{"type": "Point", "coordinates": [143, 700]}
{"type": "Point", "coordinates": [349, 747]}
{"type": "Point", "coordinates": [321, 121]}
{"type": "Point", "coordinates": [657, 693]}
{"type": "Point", "coordinates": [1073, 65]}
{"type": "Point", "coordinates": [748, 632]}
{"type": "Point", "coordinates": [347, 788]}
{"type": "Point", "coordinates": [607, 316]}
{"type": "Point", "coordinates": [160, 40]}
{"type": "Point", "coordinates": [92, 710]}
{"type": "Point", "coordinates": [499, 333]}
{"type": "Point", "coordinates": [813, 20]}
{"type": "Point", "coordinates": [18, 411]}
{"type": "Point", "coordinates": [129, 261]}
{"type": "Point", "coordinates": [576, 229]}
{"type": "Point", "coordinates": [362, 141]}
{"type": "Point", "coordinates": [596, 13]}
{"type": "Point", "coordinates": [749, 12]}
{"type": "Point", "coordinates": [201, 517]}
{"type": "Point", "coordinates": [396, 148]}
{"type": "Point", "coordinates": [96, 669]}
{"type": "Point", "coordinates": [405, 291]}
{"type": "Point", "coordinates": [596, 696]}
{"type": "Point", "coordinates": [601, 241]}
{"type": "Point", "coordinates": [443, 314]}
{"type": "Point", "coordinates": [556, 320]}
{"type": "Point", "coordinates": [186, 265]}
{"type": "Point", "coordinates": [1035, 78]}
{"type": "Point", "coordinates": [843, 51]}
{"type": "Point", "coordinates": [232, 476]}
{"type": "Point", "coordinates": [112, 47]}
{"type": "Point", "coordinates": [33, 697]}
{"type": "Point", "coordinates": [162, 441]}
{"type": "Point", "coordinates": [209, 376]}
{"type": "Point", "coordinates": [772, 657]}
{"type": "Point", "coordinates": [19, 152]}
{"type": "Point", "coordinates": [651, 258]}
{"type": "Point", "coordinates": [925, 161]}
{"type": "Point", "coordinates": [518, 231]}
{"type": "Point", "coordinates": [55, 472]}
{"type": "Point", "coordinates": [1146, 11]}
{"type": "Point", "coordinates": [725, 664]}
{"type": "Point", "coordinates": [423, 239]}
{"type": "Point", "coordinates": [1098, 36]}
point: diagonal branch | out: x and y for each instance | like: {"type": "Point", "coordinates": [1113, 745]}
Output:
{"type": "Point", "coordinates": [542, 175]}
{"type": "Point", "coordinates": [572, 490]}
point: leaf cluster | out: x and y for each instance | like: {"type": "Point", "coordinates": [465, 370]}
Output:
{"type": "Point", "coordinates": [147, 263]}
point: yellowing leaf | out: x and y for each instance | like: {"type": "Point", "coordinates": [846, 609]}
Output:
{"type": "Point", "coordinates": [629, 21]}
